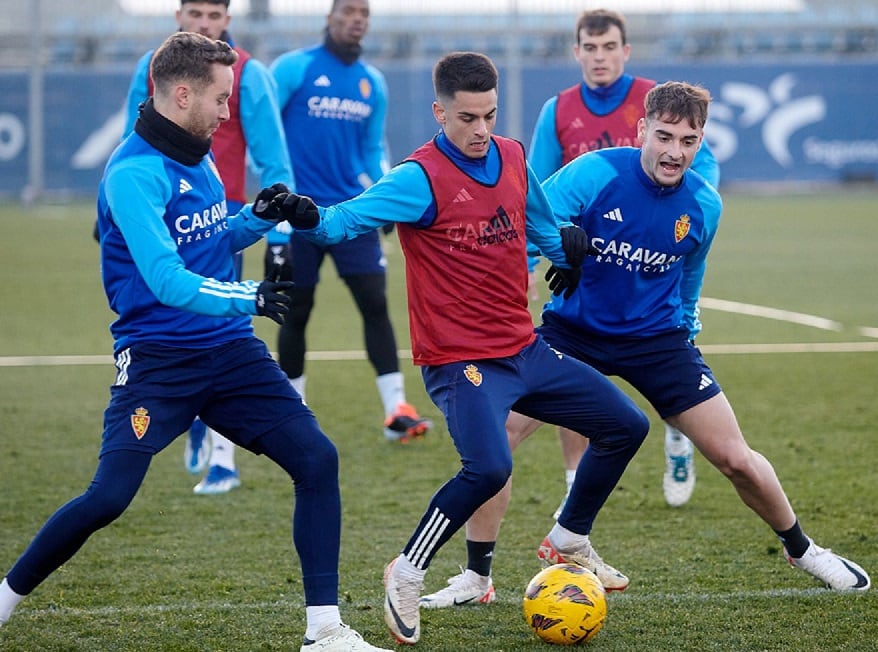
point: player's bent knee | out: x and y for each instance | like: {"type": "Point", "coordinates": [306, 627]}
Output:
{"type": "Point", "coordinates": [492, 478]}
{"type": "Point", "coordinates": [737, 465]}
{"type": "Point", "coordinates": [99, 508]}
{"type": "Point", "coordinates": [301, 449]}
{"type": "Point", "coordinates": [633, 425]}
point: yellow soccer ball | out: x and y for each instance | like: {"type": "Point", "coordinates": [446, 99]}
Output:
{"type": "Point", "coordinates": [565, 604]}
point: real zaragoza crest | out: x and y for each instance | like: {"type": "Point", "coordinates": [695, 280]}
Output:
{"type": "Point", "coordinates": [681, 227]}
{"type": "Point", "coordinates": [140, 422]}
{"type": "Point", "coordinates": [473, 374]}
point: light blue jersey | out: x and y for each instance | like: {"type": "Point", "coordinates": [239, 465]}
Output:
{"type": "Point", "coordinates": [167, 248]}
{"type": "Point", "coordinates": [333, 114]}
{"type": "Point", "coordinates": [653, 243]}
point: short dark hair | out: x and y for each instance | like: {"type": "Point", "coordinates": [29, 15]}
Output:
{"type": "Point", "coordinates": [674, 101]}
{"type": "Point", "coordinates": [464, 71]}
{"type": "Point", "coordinates": [597, 21]}
{"type": "Point", "coordinates": [210, 2]}
{"type": "Point", "coordinates": [188, 56]}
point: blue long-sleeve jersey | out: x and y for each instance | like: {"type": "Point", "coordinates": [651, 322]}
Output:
{"type": "Point", "coordinates": [167, 249]}
{"type": "Point", "coordinates": [653, 243]}
{"type": "Point", "coordinates": [259, 113]}
{"type": "Point", "coordinates": [333, 115]}
{"type": "Point", "coordinates": [404, 195]}
{"type": "Point", "coordinates": [545, 153]}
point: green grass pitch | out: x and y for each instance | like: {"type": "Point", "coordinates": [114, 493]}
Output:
{"type": "Point", "coordinates": [180, 572]}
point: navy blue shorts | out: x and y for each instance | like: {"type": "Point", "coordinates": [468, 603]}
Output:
{"type": "Point", "coordinates": [356, 257]}
{"type": "Point", "coordinates": [236, 388]}
{"type": "Point", "coordinates": [668, 370]}
{"type": "Point", "coordinates": [476, 396]}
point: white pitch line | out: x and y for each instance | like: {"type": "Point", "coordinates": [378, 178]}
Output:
{"type": "Point", "coordinates": [865, 331]}
{"type": "Point", "coordinates": [791, 347]}
{"type": "Point", "coordinates": [710, 303]}
{"type": "Point", "coordinates": [340, 356]}
{"type": "Point", "coordinates": [508, 597]}
{"type": "Point", "coordinates": [769, 313]}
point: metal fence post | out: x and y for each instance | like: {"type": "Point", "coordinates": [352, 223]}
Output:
{"type": "Point", "coordinates": [36, 156]}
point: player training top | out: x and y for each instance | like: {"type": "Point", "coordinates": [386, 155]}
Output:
{"type": "Point", "coordinates": [333, 114]}
{"type": "Point", "coordinates": [461, 288]}
{"type": "Point", "coordinates": [653, 241]}
{"type": "Point", "coordinates": [167, 243]}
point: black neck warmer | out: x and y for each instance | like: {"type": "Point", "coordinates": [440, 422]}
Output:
{"type": "Point", "coordinates": [347, 53]}
{"type": "Point", "coordinates": [169, 138]}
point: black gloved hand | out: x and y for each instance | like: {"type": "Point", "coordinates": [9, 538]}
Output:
{"type": "Point", "coordinates": [563, 280]}
{"type": "Point", "coordinates": [265, 207]}
{"type": "Point", "coordinates": [387, 229]}
{"type": "Point", "coordinates": [574, 241]}
{"type": "Point", "coordinates": [300, 211]}
{"type": "Point", "coordinates": [271, 301]}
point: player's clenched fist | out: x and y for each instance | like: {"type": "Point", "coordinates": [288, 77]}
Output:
{"type": "Point", "coordinates": [300, 211]}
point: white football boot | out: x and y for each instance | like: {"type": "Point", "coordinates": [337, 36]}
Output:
{"type": "Point", "coordinates": [466, 588]}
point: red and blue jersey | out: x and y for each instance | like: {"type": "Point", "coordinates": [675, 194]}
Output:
{"type": "Point", "coordinates": [464, 225]}
{"type": "Point", "coordinates": [452, 266]}
{"type": "Point", "coordinates": [580, 130]}
{"type": "Point", "coordinates": [582, 119]}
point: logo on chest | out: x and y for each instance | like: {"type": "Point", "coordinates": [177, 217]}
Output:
{"type": "Point", "coordinates": [681, 227]}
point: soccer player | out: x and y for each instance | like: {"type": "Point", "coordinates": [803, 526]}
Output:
{"type": "Point", "coordinates": [184, 341]}
{"type": "Point", "coordinates": [333, 107]}
{"type": "Point", "coordinates": [253, 126]}
{"type": "Point", "coordinates": [602, 111]}
{"type": "Point", "coordinates": [633, 315]}
{"type": "Point", "coordinates": [466, 202]}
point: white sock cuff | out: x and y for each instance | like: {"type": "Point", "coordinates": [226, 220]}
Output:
{"type": "Point", "coordinates": [299, 385]}
{"type": "Point", "coordinates": [9, 599]}
{"type": "Point", "coordinates": [222, 452]}
{"type": "Point", "coordinates": [565, 539]}
{"type": "Point", "coordinates": [391, 387]}
{"type": "Point", "coordinates": [322, 621]}
{"type": "Point", "coordinates": [407, 569]}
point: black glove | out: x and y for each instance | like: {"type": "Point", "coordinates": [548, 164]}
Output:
{"type": "Point", "coordinates": [271, 301]}
{"type": "Point", "coordinates": [563, 280]}
{"type": "Point", "coordinates": [300, 211]}
{"type": "Point", "coordinates": [576, 246]}
{"type": "Point", "coordinates": [387, 229]}
{"type": "Point", "coordinates": [265, 207]}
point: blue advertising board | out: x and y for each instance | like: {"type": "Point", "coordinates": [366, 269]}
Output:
{"type": "Point", "coordinates": [777, 122]}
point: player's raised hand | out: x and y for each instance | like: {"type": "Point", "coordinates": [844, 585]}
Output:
{"type": "Point", "coordinates": [267, 203]}
{"type": "Point", "coordinates": [300, 211]}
